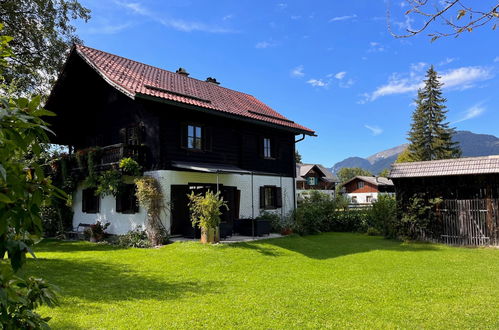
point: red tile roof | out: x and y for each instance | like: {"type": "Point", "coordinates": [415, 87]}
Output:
{"type": "Point", "coordinates": [135, 79]}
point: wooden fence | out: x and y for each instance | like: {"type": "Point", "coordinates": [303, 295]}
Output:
{"type": "Point", "coordinates": [467, 222]}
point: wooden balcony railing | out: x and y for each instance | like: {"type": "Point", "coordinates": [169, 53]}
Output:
{"type": "Point", "coordinates": [114, 153]}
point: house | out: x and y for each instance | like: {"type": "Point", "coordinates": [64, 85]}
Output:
{"type": "Point", "coordinates": [190, 134]}
{"type": "Point", "coordinates": [314, 177]}
{"type": "Point", "coordinates": [469, 191]}
{"type": "Point", "coordinates": [366, 189]}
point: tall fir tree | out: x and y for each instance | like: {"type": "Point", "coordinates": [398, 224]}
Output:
{"type": "Point", "coordinates": [430, 136]}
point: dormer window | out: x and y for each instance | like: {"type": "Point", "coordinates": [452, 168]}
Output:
{"type": "Point", "coordinates": [360, 184]}
{"type": "Point", "coordinates": [267, 148]}
{"type": "Point", "coordinates": [194, 137]}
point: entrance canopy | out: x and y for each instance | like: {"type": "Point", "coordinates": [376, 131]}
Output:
{"type": "Point", "coordinates": [209, 168]}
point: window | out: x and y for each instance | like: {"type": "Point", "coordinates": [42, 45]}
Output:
{"type": "Point", "coordinates": [270, 197]}
{"type": "Point", "coordinates": [369, 199]}
{"type": "Point", "coordinates": [194, 137]}
{"type": "Point", "coordinates": [312, 181]}
{"type": "Point", "coordinates": [126, 202]}
{"type": "Point", "coordinates": [360, 184]}
{"type": "Point", "coordinates": [267, 149]}
{"type": "Point", "coordinates": [90, 202]}
{"type": "Point", "coordinates": [354, 199]}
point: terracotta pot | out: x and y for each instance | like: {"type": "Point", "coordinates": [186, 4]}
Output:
{"type": "Point", "coordinates": [210, 235]}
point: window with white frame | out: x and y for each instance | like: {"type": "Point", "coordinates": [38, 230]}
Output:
{"type": "Point", "coordinates": [267, 148]}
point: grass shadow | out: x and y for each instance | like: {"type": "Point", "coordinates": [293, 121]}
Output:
{"type": "Point", "coordinates": [102, 282]}
{"type": "Point", "coordinates": [331, 245]}
{"type": "Point", "coordinates": [56, 245]}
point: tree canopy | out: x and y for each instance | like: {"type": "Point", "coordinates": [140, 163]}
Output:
{"type": "Point", "coordinates": [457, 16]}
{"type": "Point", "coordinates": [430, 136]}
{"type": "Point", "coordinates": [42, 34]}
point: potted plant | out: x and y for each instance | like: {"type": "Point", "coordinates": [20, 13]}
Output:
{"type": "Point", "coordinates": [96, 231]}
{"type": "Point", "coordinates": [130, 169]}
{"type": "Point", "coordinates": [205, 214]}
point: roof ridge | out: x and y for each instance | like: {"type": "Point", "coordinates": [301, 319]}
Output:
{"type": "Point", "coordinates": [447, 160]}
{"type": "Point", "coordinates": [157, 67]}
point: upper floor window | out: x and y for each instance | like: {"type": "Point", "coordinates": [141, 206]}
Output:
{"type": "Point", "coordinates": [131, 135]}
{"type": "Point", "coordinates": [267, 148]}
{"type": "Point", "coordinates": [360, 184]}
{"type": "Point", "coordinates": [312, 180]}
{"type": "Point", "coordinates": [194, 137]}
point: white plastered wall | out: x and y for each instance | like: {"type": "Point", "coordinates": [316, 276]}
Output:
{"type": "Point", "coordinates": [362, 197]}
{"type": "Point", "coordinates": [249, 207]}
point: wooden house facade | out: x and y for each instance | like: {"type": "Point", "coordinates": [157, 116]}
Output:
{"type": "Point", "coordinates": [190, 134]}
{"type": "Point", "coordinates": [469, 189]}
{"type": "Point", "coordinates": [314, 177]}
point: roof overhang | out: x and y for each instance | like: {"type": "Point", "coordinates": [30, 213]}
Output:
{"type": "Point", "coordinates": [209, 168]}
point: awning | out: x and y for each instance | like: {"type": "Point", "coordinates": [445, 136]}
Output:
{"type": "Point", "coordinates": [210, 168]}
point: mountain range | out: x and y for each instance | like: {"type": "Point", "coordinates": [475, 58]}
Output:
{"type": "Point", "coordinates": [471, 144]}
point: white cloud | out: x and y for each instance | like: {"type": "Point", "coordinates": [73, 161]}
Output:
{"type": "Point", "coordinates": [264, 44]}
{"type": "Point", "coordinates": [496, 59]}
{"type": "Point", "coordinates": [177, 24]}
{"type": "Point", "coordinates": [375, 130]}
{"type": "Point", "coordinates": [459, 78]}
{"type": "Point", "coordinates": [375, 47]}
{"type": "Point", "coordinates": [317, 82]}
{"type": "Point", "coordinates": [342, 18]}
{"type": "Point", "coordinates": [448, 60]}
{"type": "Point", "coordinates": [227, 17]}
{"type": "Point", "coordinates": [109, 28]}
{"type": "Point", "coordinates": [298, 71]}
{"type": "Point", "coordinates": [340, 75]}
{"type": "Point", "coordinates": [472, 112]}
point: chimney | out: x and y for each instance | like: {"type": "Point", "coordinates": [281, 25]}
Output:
{"type": "Point", "coordinates": [212, 80]}
{"type": "Point", "coordinates": [182, 71]}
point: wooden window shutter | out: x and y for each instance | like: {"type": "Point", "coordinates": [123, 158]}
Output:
{"type": "Point", "coordinates": [183, 135]}
{"type": "Point", "coordinates": [278, 197]}
{"type": "Point", "coordinates": [262, 197]}
{"type": "Point", "coordinates": [274, 148]}
{"type": "Point", "coordinates": [207, 138]}
{"type": "Point", "coordinates": [123, 135]}
{"type": "Point", "coordinates": [119, 202]}
{"type": "Point", "coordinates": [84, 201]}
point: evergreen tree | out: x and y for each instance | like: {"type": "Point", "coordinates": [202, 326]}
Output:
{"type": "Point", "coordinates": [430, 136]}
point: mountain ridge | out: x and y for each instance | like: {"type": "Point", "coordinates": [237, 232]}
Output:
{"type": "Point", "coordinates": [472, 145]}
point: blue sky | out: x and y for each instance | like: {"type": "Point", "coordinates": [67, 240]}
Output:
{"type": "Point", "coordinates": [329, 65]}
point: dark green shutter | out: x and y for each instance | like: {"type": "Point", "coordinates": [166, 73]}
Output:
{"type": "Point", "coordinates": [262, 197]}
{"type": "Point", "coordinates": [119, 202]}
{"type": "Point", "coordinates": [183, 135]}
{"type": "Point", "coordinates": [274, 148]}
{"type": "Point", "coordinates": [207, 138]}
{"type": "Point", "coordinates": [278, 197]}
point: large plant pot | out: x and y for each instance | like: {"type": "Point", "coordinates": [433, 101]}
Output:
{"type": "Point", "coordinates": [210, 235]}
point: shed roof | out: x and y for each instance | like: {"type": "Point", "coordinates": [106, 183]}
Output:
{"type": "Point", "coordinates": [136, 79]}
{"type": "Point", "coordinates": [446, 167]}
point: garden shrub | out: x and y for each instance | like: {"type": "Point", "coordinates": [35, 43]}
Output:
{"type": "Point", "coordinates": [276, 223]}
{"type": "Point", "coordinates": [384, 216]}
{"type": "Point", "coordinates": [350, 220]}
{"type": "Point", "coordinates": [314, 214]}
{"type": "Point", "coordinates": [417, 215]}
{"type": "Point", "coordinates": [135, 238]}
{"type": "Point", "coordinates": [129, 166]}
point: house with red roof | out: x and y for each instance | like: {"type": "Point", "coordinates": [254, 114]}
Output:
{"type": "Point", "coordinates": [190, 134]}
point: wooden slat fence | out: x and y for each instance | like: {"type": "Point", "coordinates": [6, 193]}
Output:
{"type": "Point", "coordinates": [468, 222]}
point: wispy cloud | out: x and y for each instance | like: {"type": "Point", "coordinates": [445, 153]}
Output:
{"type": "Point", "coordinates": [298, 71]}
{"type": "Point", "coordinates": [375, 47]}
{"type": "Point", "coordinates": [227, 17]}
{"type": "Point", "coordinates": [448, 60]}
{"type": "Point", "coordinates": [340, 75]}
{"type": "Point", "coordinates": [282, 5]}
{"type": "Point", "coordinates": [342, 18]}
{"type": "Point", "coordinates": [346, 83]}
{"type": "Point", "coordinates": [472, 112]}
{"type": "Point", "coordinates": [109, 28]}
{"type": "Point", "coordinates": [317, 82]}
{"type": "Point", "coordinates": [459, 78]}
{"type": "Point", "coordinates": [375, 130]}
{"type": "Point", "coordinates": [265, 44]}
{"type": "Point", "coordinates": [174, 23]}
{"type": "Point", "coordinates": [496, 59]}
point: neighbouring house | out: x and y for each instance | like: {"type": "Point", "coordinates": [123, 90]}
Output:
{"type": "Point", "coordinates": [314, 177]}
{"type": "Point", "coordinates": [469, 191]}
{"type": "Point", "coordinates": [191, 135]}
{"type": "Point", "coordinates": [366, 189]}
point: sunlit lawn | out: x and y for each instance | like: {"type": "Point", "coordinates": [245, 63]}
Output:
{"type": "Point", "coordinates": [329, 280]}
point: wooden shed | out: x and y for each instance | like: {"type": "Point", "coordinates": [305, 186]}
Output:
{"type": "Point", "coordinates": [469, 188]}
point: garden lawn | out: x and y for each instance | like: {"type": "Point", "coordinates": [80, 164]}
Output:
{"type": "Point", "coordinates": [328, 280]}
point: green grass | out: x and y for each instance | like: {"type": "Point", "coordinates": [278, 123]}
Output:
{"type": "Point", "coordinates": [329, 280]}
